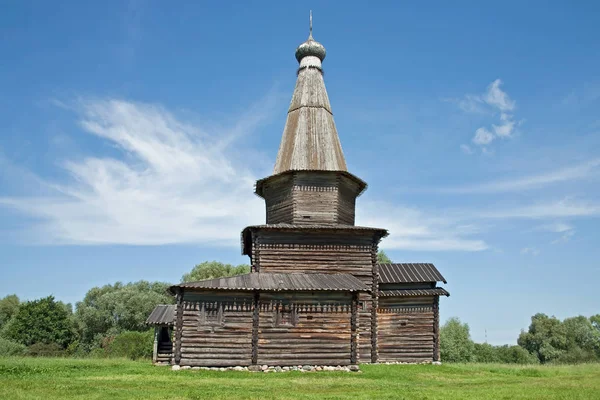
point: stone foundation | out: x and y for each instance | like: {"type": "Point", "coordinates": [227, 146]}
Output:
{"type": "Point", "coordinates": [267, 368]}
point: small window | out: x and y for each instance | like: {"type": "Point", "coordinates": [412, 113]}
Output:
{"type": "Point", "coordinates": [211, 314]}
{"type": "Point", "coordinates": [285, 317]}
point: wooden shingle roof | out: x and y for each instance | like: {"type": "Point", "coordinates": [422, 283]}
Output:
{"type": "Point", "coordinates": [162, 315]}
{"type": "Point", "coordinates": [281, 282]}
{"type": "Point", "coordinates": [310, 140]}
{"type": "Point", "coordinates": [409, 273]}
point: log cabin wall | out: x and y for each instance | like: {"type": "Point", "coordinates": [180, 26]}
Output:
{"type": "Point", "coordinates": [315, 197]}
{"type": "Point", "coordinates": [278, 199]}
{"type": "Point", "coordinates": [216, 328]}
{"type": "Point", "coordinates": [310, 197]}
{"type": "Point", "coordinates": [406, 329]}
{"type": "Point", "coordinates": [302, 328]}
{"type": "Point", "coordinates": [348, 191]}
{"type": "Point", "coordinates": [324, 252]}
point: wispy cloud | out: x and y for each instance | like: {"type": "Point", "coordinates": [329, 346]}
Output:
{"type": "Point", "coordinates": [584, 170]}
{"type": "Point", "coordinates": [174, 183]}
{"type": "Point", "coordinates": [564, 208]}
{"type": "Point", "coordinates": [414, 229]}
{"type": "Point", "coordinates": [530, 250]}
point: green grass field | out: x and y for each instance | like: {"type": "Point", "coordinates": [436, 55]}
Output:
{"type": "Point", "coordinates": [30, 378]}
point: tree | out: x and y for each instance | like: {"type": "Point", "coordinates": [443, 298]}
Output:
{"type": "Point", "coordinates": [214, 269]}
{"type": "Point", "coordinates": [382, 258]}
{"type": "Point", "coordinates": [546, 338]}
{"type": "Point", "coordinates": [9, 306]}
{"type": "Point", "coordinates": [111, 309]}
{"type": "Point", "coordinates": [41, 321]}
{"type": "Point", "coordinates": [455, 341]}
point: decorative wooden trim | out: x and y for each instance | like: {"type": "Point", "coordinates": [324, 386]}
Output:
{"type": "Point", "coordinates": [374, 305]}
{"type": "Point", "coordinates": [436, 329]}
{"type": "Point", "coordinates": [155, 348]}
{"type": "Point", "coordinates": [300, 246]}
{"type": "Point", "coordinates": [255, 323]}
{"type": "Point", "coordinates": [178, 326]}
{"type": "Point", "coordinates": [354, 330]}
{"type": "Point", "coordinates": [255, 253]}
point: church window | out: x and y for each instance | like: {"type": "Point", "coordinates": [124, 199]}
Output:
{"type": "Point", "coordinates": [285, 317]}
{"type": "Point", "coordinates": [211, 314]}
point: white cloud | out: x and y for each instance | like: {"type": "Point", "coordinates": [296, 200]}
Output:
{"type": "Point", "coordinates": [496, 101]}
{"type": "Point", "coordinates": [496, 97]}
{"type": "Point", "coordinates": [564, 208]}
{"type": "Point", "coordinates": [571, 173]}
{"type": "Point", "coordinates": [530, 250]}
{"type": "Point", "coordinates": [413, 229]}
{"type": "Point", "coordinates": [483, 137]}
{"type": "Point", "coordinates": [505, 130]}
{"type": "Point", "coordinates": [466, 149]}
{"type": "Point", "coordinates": [174, 184]}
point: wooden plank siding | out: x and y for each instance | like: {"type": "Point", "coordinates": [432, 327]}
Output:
{"type": "Point", "coordinates": [321, 334]}
{"type": "Point", "coordinates": [227, 342]}
{"type": "Point", "coordinates": [310, 197]}
{"type": "Point", "coordinates": [323, 252]}
{"type": "Point", "coordinates": [406, 329]}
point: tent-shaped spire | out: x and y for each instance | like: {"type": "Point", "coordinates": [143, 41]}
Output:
{"type": "Point", "coordinates": [310, 140]}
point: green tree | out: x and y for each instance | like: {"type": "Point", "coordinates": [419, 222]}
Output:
{"type": "Point", "coordinates": [9, 306]}
{"type": "Point", "coordinates": [383, 258]}
{"type": "Point", "coordinates": [41, 321]}
{"type": "Point", "coordinates": [455, 341]}
{"type": "Point", "coordinates": [111, 309]}
{"type": "Point", "coordinates": [546, 338]}
{"type": "Point", "coordinates": [485, 353]}
{"type": "Point", "coordinates": [214, 269]}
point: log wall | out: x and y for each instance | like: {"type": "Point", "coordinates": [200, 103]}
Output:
{"type": "Point", "coordinates": [320, 334]}
{"type": "Point", "coordinates": [351, 252]}
{"type": "Point", "coordinates": [312, 198]}
{"type": "Point", "coordinates": [278, 199]}
{"type": "Point", "coordinates": [224, 340]}
{"type": "Point", "coordinates": [406, 329]}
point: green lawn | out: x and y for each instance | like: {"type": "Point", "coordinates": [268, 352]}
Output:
{"type": "Point", "coordinates": [29, 378]}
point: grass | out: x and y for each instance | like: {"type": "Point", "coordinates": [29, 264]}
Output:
{"type": "Point", "coordinates": [48, 378]}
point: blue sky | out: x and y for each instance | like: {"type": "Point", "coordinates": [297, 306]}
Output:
{"type": "Point", "coordinates": [131, 134]}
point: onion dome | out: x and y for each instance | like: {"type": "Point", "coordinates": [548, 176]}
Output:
{"type": "Point", "coordinates": [310, 48]}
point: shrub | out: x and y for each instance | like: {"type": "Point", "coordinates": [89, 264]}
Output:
{"type": "Point", "coordinates": [515, 355]}
{"type": "Point", "coordinates": [8, 348]}
{"type": "Point", "coordinates": [45, 350]}
{"type": "Point", "coordinates": [455, 342]}
{"type": "Point", "coordinates": [132, 345]}
{"type": "Point", "coordinates": [485, 353]}
{"type": "Point", "coordinates": [576, 355]}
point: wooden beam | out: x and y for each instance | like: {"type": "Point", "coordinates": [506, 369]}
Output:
{"type": "Point", "coordinates": [436, 329]}
{"type": "Point", "coordinates": [155, 349]}
{"type": "Point", "coordinates": [374, 303]}
{"type": "Point", "coordinates": [354, 330]}
{"type": "Point", "coordinates": [178, 325]}
{"type": "Point", "coordinates": [255, 324]}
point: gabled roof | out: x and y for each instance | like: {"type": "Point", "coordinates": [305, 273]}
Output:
{"type": "Point", "coordinates": [409, 273]}
{"type": "Point", "coordinates": [280, 282]}
{"type": "Point", "coordinates": [162, 315]}
{"type": "Point", "coordinates": [414, 292]}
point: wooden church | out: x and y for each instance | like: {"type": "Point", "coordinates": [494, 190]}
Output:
{"type": "Point", "coordinates": [316, 294]}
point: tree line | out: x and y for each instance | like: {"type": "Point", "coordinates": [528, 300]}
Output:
{"type": "Point", "coordinates": [110, 321]}
{"type": "Point", "coordinates": [547, 340]}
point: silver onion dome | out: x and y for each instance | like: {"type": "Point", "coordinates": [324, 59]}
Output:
{"type": "Point", "coordinates": [311, 47]}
